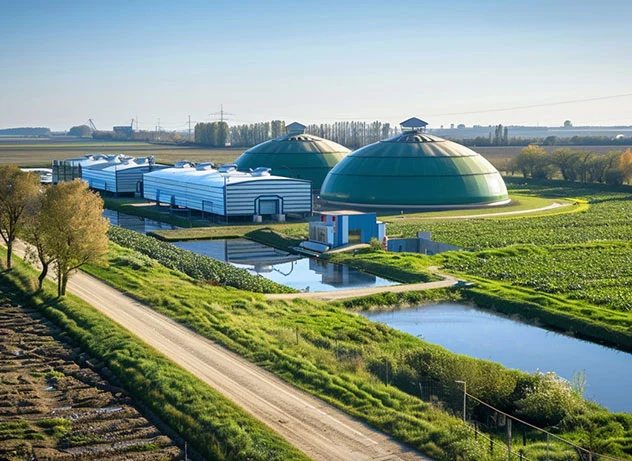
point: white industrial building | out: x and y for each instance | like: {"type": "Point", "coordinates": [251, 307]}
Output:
{"type": "Point", "coordinates": [228, 192]}
{"type": "Point", "coordinates": [121, 175]}
{"type": "Point", "coordinates": [71, 168]}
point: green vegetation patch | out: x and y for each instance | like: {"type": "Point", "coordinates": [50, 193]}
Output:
{"type": "Point", "coordinates": [367, 369]}
{"type": "Point", "coordinates": [401, 267]}
{"type": "Point", "coordinates": [599, 273]}
{"type": "Point", "coordinates": [211, 423]}
{"type": "Point", "coordinates": [198, 266]}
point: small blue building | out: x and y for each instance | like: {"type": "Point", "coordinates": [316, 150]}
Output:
{"type": "Point", "coordinates": [338, 228]}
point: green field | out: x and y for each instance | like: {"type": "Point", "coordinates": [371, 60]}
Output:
{"type": "Point", "coordinates": [28, 152]}
{"type": "Point", "coordinates": [341, 357]}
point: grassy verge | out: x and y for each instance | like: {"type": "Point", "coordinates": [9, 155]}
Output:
{"type": "Point", "coordinates": [211, 423]}
{"type": "Point", "coordinates": [389, 301]}
{"type": "Point", "coordinates": [294, 230]}
{"type": "Point", "coordinates": [400, 267]}
{"type": "Point", "coordinates": [195, 265]}
{"type": "Point", "coordinates": [367, 369]}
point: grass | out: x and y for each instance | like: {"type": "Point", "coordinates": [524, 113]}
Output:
{"type": "Point", "coordinates": [399, 267]}
{"type": "Point", "coordinates": [212, 424]}
{"type": "Point", "coordinates": [340, 357]}
{"type": "Point", "coordinates": [293, 230]}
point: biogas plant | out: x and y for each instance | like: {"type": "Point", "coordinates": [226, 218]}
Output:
{"type": "Point", "coordinates": [411, 171]}
{"type": "Point", "coordinates": [414, 170]}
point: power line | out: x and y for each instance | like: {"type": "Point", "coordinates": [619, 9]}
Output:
{"type": "Point", "coordinates": [531, 106]}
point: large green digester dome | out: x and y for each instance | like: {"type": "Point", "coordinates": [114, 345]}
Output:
{"type": "Point", "coordinates": [295, 155]}
{"type": "Point", "coordinates": [414, 170]}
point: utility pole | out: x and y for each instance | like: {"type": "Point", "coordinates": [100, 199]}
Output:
{"type": "Point", "coordinates": [189, 128]}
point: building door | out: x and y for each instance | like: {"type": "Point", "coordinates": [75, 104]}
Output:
{"type": "Point", "coordinates": [268, 207]}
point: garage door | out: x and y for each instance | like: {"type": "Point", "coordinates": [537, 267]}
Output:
{"type": "Point", "coordinates": [268, 207]}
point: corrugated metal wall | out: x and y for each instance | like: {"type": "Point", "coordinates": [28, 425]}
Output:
{"type": "Point", "coordinates": [241, 198]}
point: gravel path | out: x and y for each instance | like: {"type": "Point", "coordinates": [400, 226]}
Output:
{"type": "Point", "coordinates": [313, 426]}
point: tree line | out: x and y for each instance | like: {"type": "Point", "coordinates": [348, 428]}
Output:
{"type": "Point", "coordinates": [613, 168]}
{"type": "Point", "coordinates": [62, 224]}
{"type": "Point", "coordinates": [350, 134]}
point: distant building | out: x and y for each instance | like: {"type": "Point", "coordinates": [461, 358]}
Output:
{"type": "Point", "coordinates": [337, 228]}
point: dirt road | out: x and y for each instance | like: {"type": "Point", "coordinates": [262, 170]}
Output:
{"type": "Point", "coordinates": [448, 281]}
{"type": "Point", "coordinates": [316, 428]}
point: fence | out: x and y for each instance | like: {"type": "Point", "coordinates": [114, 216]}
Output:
{"type": "Point", "coordinates": [504, 435]}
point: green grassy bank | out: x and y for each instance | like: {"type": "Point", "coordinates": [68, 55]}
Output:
{"type": "Point", "coordinates": [208, 421]}
{"type": "Point", "coordinates": [367, 369]}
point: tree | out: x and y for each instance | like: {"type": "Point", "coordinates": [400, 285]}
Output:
{"type": "Point", "coordinates": [17, 190]}
{"type": "Point", "coordinates": [568, 124]}
{"type": "Point", "coordinates": [39, 247]}
{"type": "Point", "coordinates": [530, 160]}
{"type": "Point", "coordinates": [567, 161]}
{"type": "Point", "coordinates": [73, 228]}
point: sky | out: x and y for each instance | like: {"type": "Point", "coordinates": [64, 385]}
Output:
{"type": "Point", "coordinates": [473, 62]}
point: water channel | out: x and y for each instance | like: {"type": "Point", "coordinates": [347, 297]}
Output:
{"type": "Point", "coordinates": [135, 223]}
{"type": "Point", "coordinates": [299, 272]}
{"type": "Point", "coordinates": [477, 333]}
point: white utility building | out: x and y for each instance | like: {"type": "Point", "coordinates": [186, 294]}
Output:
{"type": "Point", "coordinates": [121, 176]}
{"type": "Point", "coordinates": [228, 192]}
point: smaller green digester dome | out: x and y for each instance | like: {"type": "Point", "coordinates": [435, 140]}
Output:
{"type": "Point", "coordinates": [295, 155]}
{"type": "Point", "coordinates": [414, 170]}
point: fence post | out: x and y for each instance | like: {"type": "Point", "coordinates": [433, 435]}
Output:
{"type": "Point", "coordinates": [509, 436]}
{"type": "Point", "coordinates": [491, 445]}
{"type": "Point", "coordinates": [547, 447]}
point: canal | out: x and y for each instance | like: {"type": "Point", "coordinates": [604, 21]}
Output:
{"type": "Point", "coordinates": [477, 333]}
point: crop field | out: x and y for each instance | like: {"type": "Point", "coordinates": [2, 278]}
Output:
{"type": "Point", "coordinates": [600, 273]}
{"type": "Point", "coordinates": [31, 153]}
{"type": "Point", "coordinates": [53, 407]}
{"type": "Point", "coordinates": [608, 217]}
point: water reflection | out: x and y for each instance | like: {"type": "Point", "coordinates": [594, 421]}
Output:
{"type": "Point", "coordinates": [298, 272]}
{"type": "Point", "coordinates": [467, 330]}
{"type": "Point", "coordinates": [135, 223]}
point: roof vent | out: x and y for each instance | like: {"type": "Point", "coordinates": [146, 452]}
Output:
{"type": "Point", "coordinates": [204, 166]}
{"type": "Point", "coordinates": [261, 171]}
{"type": "Point", "coordinates": [183, 164]}
{"type": "Point", "coordinates": [413, 124]}
{"type": "Point", "coordinates": [295, 128]}
{"type": "Point", "coordinates": [227, 168]}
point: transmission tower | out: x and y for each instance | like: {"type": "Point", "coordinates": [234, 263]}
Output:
{"type": "Point", "coordinates": [221, 114]}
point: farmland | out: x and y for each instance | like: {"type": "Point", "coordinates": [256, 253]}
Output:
{"type": "Point", "coordinates": [54, 405]}
{"type": "Point", "coordinates": [35, 152]}
{"type": "Point", "coordinates": [30, 152]}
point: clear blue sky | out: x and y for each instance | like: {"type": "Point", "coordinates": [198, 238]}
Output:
{"type": "Point", "coordinates": [63, 62]}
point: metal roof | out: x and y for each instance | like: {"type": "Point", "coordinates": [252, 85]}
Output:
{"type": "Point", "coordinates": [413, 123]}
{"type": "Point", "coordinates": [295, 127]}
{"type": "Point", "coordinates": [211, 177]}
{"type": "Point", "coordinates": [295, 155]}
{"type": "Point", "coordinates": [414, 170]}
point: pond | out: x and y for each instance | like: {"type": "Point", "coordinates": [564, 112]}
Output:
{"type": "Point", "coordinates": [299, 272]}
{"type": "Point", "coordinates": [135, 223]}
{"type": "Point", "coordinates": [477, 333]}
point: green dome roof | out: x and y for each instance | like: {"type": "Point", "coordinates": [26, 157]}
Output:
{"type": "Point", "coordinates": [295, 155]}
{"type": "Point", "coordinates": [414, 169]}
